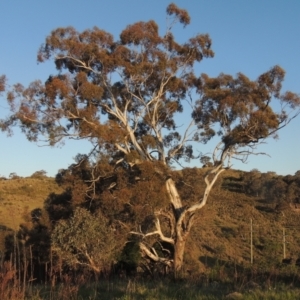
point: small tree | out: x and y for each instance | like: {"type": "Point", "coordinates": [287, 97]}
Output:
{"type": "Point", "coordinates": [13, 175]}
{"type": "Point", "coordinates": [85, 240]}
{"type": "Point", "coordinates": [123, 96]}
{"type": "Point", "coordinates": [39, 174]}
{"type": "Point", "coordinates": [205, 160]}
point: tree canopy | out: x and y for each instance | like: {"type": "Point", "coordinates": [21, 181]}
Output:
{"type": "Point", "coordinates": [124, 94]}
{"type": "Point", "coordinates": [2, 83]}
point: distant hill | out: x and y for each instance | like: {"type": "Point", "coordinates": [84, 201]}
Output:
{"type": "Point", "coordinates": [223, 227]}
{"type": "Point", "coordinates": [19, 195]}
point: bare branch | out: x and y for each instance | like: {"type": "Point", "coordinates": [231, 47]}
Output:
{"type": "Point", "coordinates": [154, 256]}
{"type": "Point", "coordinates": [157, 232]}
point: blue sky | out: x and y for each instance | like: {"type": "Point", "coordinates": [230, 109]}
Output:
{"type": "Point", "coordinates": [248, 37]}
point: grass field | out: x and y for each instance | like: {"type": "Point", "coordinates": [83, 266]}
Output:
{"type": "Point", "coordinates": [153, 289]}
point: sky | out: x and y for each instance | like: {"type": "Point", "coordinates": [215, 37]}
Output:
{"type": "Point", "coordinates": [248, 37]}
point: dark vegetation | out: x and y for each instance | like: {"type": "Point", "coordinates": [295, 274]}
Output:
{"type": "Point", "coordinates": [47, 248]}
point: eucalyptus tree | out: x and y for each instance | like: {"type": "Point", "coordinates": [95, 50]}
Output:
{"type": "Point", "coordinates": [2, 83]}
{"type": "Point", "coordinates": [123, 95]}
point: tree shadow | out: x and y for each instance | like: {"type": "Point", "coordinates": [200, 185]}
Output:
{"type": "Point", "coordinates": [59, 206]}
{"type": "Point", "coordinates": [209, 249]}
{"type": "Point", "coordinates": [264, 209]}
{"type": "Point", "coordinates": [5, 228]}
{"type": "Point", "coordinates": [233, 184]}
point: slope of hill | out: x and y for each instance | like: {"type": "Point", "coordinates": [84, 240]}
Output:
{"type": "Point", "coordinates": [19, 195]}
{"type": "Point", "coordinates": [222, 230]}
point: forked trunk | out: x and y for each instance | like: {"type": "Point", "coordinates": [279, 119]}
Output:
{"type": "Point", "coordinates": [183, 216]}
{"type": "Point", "coordinates": [180, 239]}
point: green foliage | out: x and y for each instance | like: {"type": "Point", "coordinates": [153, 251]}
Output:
{"type": "Point", "coordinates": [85, 240]}
{"type": "Point", "coordinates": [130, 256]}
{"type": "Point", "coordinates": [163, 289]}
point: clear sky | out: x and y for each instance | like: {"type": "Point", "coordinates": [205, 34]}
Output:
{"type": "Point", "coordinates": [248, 37]}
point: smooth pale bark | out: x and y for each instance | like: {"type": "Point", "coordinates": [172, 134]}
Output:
{"type": "Point", "coordinates": [184, 216]}
{"type": "Point", "coordinates": [173, 194]}
{"type": "Point", "coordinates": [179, 249]}
{"type": "Point", "coordinates": [153, 255]}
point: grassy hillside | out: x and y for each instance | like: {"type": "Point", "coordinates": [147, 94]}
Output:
{"type": "Point", "coordinates": [221, 232]}
{"type": "Point", "coordinates": [20, 195]}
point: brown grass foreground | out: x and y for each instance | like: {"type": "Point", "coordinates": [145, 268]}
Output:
{"type": "Point", "coordinates": [159, 288]}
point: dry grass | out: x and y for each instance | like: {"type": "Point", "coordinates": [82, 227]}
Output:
{"type": "Point", "coordinates": [16, 195]}
{"type": "Point", "coordinates": [221, 233]}
{"type": "Point", "coordinates": [20, 195]}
